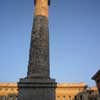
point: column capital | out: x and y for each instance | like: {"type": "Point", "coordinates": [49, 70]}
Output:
{"type": "Point", "coordinates": [41, 7]}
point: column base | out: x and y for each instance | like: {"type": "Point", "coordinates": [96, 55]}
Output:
{"type": "Point", "coordinates": [37, 89]}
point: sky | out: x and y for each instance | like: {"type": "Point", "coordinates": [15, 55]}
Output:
{"type": "Point", "coordinates": [74, 29]}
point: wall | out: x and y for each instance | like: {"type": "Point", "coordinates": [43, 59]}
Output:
{"type": "Point", "coordinates": [64, 91]}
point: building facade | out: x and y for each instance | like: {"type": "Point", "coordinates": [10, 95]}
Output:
{"type": "Point", "coordinates": [8, 91]}
{"type": "Point", "coordinates": [68, 91]}
{"type": "Point", "coordinates": [88, 94]}
{"type": "Point", "coordinates": [64, 91]}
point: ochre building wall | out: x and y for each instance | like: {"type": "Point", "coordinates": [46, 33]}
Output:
{"type": "Point", "coordinates": [68, 91]}
{"type": "Point", "coordinates": [63, 91]}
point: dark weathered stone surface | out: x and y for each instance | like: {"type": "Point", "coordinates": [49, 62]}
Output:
{"type": "Point", "coordinates": [39, 49]}
{"type": "Point", "coordinates": [38, 85]}
{"type": "Point", "coordinates": [37, 89]}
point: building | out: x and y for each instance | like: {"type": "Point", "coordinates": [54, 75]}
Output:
{"type": "Point", "coordinates": [68, 91]}
{"type": "Point", "coordinates": [8, 91]}
{"type": "Point", "coordinates": [96, 77]}
{"type": "Point", "coordinates": [64, 91]}
{"type": "Point", "coordinates": [88, 94]}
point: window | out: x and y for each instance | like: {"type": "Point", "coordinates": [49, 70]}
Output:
{"type": "Point", "coordinates": [81, 97]}
{"type": "Point", "coordinates": [11, 97]}
{"type": "Point", "coordinates": [64, 98]}
{"type": "Point", "coordinates": [3, 98]}
{"type": "Point", "coordinates": [69, 97]}
{"type": "Point", "coordinates": [16, 98]}
{"type": "Point", "coordinates": [58, 97]}
{"type": "Point", "coordinates": [75, 97]}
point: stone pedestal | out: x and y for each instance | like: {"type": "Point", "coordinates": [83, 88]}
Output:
{"type": "Point", "coordinates": [37, 89]}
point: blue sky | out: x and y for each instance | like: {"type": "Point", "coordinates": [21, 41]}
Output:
{"type": "Point", "coordinates": [74, 39]}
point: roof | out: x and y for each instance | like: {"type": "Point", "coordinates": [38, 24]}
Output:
{"type": "Point", "coordinates": [71, 85]}
{"type": "Point", "coordinates": [96, 75]}
{"type": "Point", "coordinates": [4, 84]}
